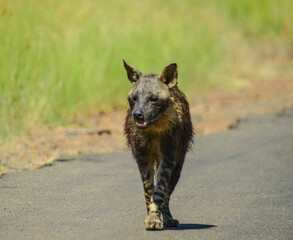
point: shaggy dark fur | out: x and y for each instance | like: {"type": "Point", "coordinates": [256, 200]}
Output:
{"type": "Point", "coordinates": [159, 132]}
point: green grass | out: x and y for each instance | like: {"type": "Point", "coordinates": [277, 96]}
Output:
{"type": "Point", "coordinates": [59, 57]}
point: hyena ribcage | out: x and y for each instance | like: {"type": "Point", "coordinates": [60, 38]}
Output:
{"type": "Point", "coordinates": [159, 131]}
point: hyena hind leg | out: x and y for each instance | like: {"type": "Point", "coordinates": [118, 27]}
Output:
{"type": "Point", "coordinates": [168, 219]}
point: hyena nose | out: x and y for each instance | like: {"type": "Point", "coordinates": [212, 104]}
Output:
{"type": "Point", "coordinates": [138, 115]}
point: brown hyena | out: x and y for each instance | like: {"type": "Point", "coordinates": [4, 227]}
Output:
{"type": "Point", "coordinates": [159, 131]}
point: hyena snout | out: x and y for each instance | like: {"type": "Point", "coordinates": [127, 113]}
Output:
{"type": "Point", "coordinates": [140, 119]}
{"type": "Point", "coordinates": [138, 116]}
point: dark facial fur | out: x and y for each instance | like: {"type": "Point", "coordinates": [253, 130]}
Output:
{"type": "Point", "coordinates": [148, 99]}
{"type": "Point", "coordinates": [159, 131]}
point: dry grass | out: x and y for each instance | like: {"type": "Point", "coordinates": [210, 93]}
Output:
{"type": "Point", "coordinates": [61, 57]}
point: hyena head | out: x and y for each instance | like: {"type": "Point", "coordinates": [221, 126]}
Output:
{"type": "Point", "coordinates": [150, 96]}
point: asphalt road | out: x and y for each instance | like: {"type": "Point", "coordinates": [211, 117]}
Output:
{"type": "Point", "coordinates": [236, 184]}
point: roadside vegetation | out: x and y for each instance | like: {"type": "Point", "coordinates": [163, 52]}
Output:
{"type": "Point", "coordinates": [61, 57]}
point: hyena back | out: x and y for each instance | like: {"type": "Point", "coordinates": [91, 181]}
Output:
{"type": "Point", "coordinates": [159, 131]}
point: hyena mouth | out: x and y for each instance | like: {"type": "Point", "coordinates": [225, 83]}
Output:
{"type": "Point", "coordinates": [142, 125]}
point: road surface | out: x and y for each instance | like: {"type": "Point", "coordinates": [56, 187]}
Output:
{"type": "Point", "coordinates": [236, 184]}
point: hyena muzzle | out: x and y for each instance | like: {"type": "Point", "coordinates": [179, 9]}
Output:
{"type": "Point", "coordinates": [159, 131]}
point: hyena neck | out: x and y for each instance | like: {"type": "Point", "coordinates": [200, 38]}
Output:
{"type": "Point", "coordinates": [174, 115]}
{"type": "Point", "coordinates": [164, 124]}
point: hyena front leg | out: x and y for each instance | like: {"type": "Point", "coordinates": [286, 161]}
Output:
{"type": "Point", "coordinates": [146, 169]}
{"type": "Point", "coordinates": [153, 221]}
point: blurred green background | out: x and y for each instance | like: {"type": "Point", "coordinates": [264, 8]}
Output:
{"type": "Point", "coordinates": [60, 57]}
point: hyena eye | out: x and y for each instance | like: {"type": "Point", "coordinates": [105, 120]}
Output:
{"type": "Point", "coordinates": [154, 98]}
{"type": "Point", "coordinates": [134, 98]}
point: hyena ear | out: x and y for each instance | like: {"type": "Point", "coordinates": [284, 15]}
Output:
{"type": "Point", "coordinates": [169, 75]}
{"type": "Point", "coordinates": [132, 73]}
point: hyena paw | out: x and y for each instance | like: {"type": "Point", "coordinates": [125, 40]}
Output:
{"type": "Point", "coordinates": [153, 222]}
{"type": "Point", "coordinates": [170, 222]}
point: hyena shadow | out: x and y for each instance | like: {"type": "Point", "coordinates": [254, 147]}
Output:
{"type": "Point", "coordinates": [190, 226]}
